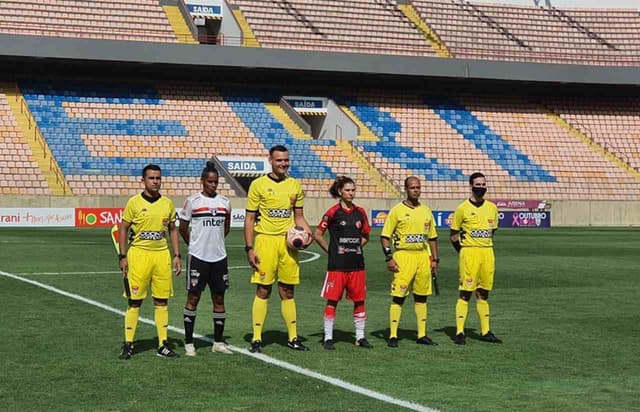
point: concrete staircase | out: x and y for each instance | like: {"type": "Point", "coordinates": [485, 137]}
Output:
{"type": "Point", "coordinates": [432, 37]}
{"type": "Point", "coordinates": [374, 174]}
{"type": "Point", "coordinates": [179, 26]}
{"type": "Point", "coordinates": [248, 37]}
{"type": "Point", "coordinates": [288, 123]}
{"type": "Point", "coordinates": [32, 136]}
{"type": "Point", "coordinates": [365, 132]}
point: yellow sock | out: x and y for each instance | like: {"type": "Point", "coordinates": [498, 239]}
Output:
{"type": "Point", "coordinates": [259, 315]}
{"type": "Point", "coordinates": [395, 311]}
{"type": "Point", "coordinates": [421, 318]}
{"type": "Point", "coordinates": [131, 323]}
{"type": "Point", "coordinates": [288, 307]}
{"type": "Point", "coordinates": [161, 316]}
{"type": "Point", "coordinates": [482, 306]}
{"type": "Point", "coordinates": [461, 315]}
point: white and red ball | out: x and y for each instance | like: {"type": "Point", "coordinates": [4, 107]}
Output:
{"type": "Point", "coordinates": [297, 238]}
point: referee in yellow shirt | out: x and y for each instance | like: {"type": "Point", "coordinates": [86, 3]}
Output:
{"type": "Point", "coordinates": [274, 204]}
{"type": "Point", "coordinates": [146, 262]}
{"type": "Point", "coordinates": [475, 221]}
{"type": "Point", "coordinates": [411, 229]}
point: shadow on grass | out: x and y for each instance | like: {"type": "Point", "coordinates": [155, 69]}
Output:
{"type": "Point", "coordinates": [403, 334]}
{"type": "Point", "coordinates": [450, 331]}
{"type": "Point", "coordinates": [273, 337]}
{"type": "Point", "coordinates": [338, 336]}
{"type": "Point", "coordinates": [144, 345]}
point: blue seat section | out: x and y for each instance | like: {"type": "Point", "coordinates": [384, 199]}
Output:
{"type": "Point", "coordinates": [249, 106]}
{"type": "Point", "coordinates": [386, 127]}
{"type": "Point", "coordinates": [516, 163]}
{"type": "Point", "coordinates": [63, 133]}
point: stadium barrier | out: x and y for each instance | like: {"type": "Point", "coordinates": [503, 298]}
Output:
{"type": "Point", "coordinates": [54, 211]}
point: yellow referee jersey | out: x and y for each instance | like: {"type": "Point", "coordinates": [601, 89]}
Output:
{"type": "Point", "coordinates": [274, 202]}
{"type": "Point", "coordinates": [475, 223]}
{"type": "Point", "coordinates": [409, 228]}
{"type": "Point", "coordinates": [149, 221]}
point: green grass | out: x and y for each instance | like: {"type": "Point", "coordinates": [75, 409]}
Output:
{"type": "Point", "coordinates": [563, 302]}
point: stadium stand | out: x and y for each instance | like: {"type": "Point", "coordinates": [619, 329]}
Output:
{"type": "Point", "coordinates": [535, 34]}
{"type": "Point", "coordinates": [18, 169]}
{"type": "Point", "coordinates": [609, 124]}
{"type": "Point", "coordinates": [141, 20]}
{"type": "Point", "coordinates": [102, 134]}
{"type": "Point", "coordinates": [360, 26]}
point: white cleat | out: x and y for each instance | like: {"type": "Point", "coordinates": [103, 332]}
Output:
{"type": "Point", "coordinates": [221, 347]}
{"type": "Point", "coordinates": [189, 349]}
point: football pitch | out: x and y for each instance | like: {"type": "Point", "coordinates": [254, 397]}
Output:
{"type": "Point", "coordinates": [564, 303]}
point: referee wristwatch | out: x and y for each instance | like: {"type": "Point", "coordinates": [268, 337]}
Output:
{"type": "Point", "coordinates": [121, 256]}
{"type": "Point", "coordinates": [248, 248]}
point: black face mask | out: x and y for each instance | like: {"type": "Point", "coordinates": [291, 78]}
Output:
{"type": "Point", "coordinates": [479, 191]}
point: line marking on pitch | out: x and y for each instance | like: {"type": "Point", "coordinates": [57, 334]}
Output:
{"type": "Point", "coordinates": [262, 357]}
{"type": "Point", "coordinates": [314, 256]}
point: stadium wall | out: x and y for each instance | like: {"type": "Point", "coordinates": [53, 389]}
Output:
{"type": "Point", "coordinates": [564, 213]}
{"type": "Point", "coordinates": [171, 56]}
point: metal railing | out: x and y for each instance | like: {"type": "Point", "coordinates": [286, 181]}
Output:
{"type": "Point", "coordinates": [40, 140]}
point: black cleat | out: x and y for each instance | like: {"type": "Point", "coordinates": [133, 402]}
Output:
{"type": "Point", "coordinates": [393, 343]}
{"type": "Point", "coordinates": [363, 343]}
{"type": "Point", "coordinates": [127, 351]}
{"type": "Point", "coordinates": [328, 345]}
{"type": "Point", "coordinates": [255, 347]}
{"type": "Point", "coordinates": [460, 339]}
{"type": "Point", "coordinates": [426, 341]}
{"type": "Point", "coordinates": [295, 344]}
{"type": "Point", "coordinates": [165, 351]}
{"type": "Point", "coordinates": [490, 337]}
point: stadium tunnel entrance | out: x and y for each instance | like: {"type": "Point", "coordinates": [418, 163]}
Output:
{"type": "Point", "coordinates": [319, 117]}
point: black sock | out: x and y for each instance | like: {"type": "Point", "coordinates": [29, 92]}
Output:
{"type": "Point", "coordinates": [189, 324]}
{"type": "Point", "coordinates": [218, 326]}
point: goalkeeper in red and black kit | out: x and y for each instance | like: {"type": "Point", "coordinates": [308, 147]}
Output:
{"type": "Point", "coordinates": [348, 233]}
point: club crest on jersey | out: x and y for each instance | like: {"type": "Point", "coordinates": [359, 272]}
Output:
{"type": "Point", "coordinates": [194, 275]}
{"type": "Point", "coordinates": [358, 224]}
{"type": "Point", "coordinates": [343, 223]}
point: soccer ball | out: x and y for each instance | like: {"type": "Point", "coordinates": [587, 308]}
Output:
{"type": "Point", "coordinates": [297, 238]}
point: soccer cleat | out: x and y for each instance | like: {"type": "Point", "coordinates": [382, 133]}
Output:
{"type": "Point", "coordinates": [426, 341]}
{"type": "Point", "coordinates": [255, 347]}
{"type": "Point", "coordinates": [127, 351]}
{"type": "Point", "coordinates": [460, 339]}
{"type": "Point", "coordinates": [490, 337]}
{"type": "Point", "coordinates": [295, 344]}
{"type": "Point", "coordinates": [328, 345]}
{"type": "Point", "coordinates": [363, 343]}
{"type": "Point", "coordinates": [393, 343]}
{"type": "Point", "coordinates": [165, 351]}
{"type": "Point", "coordinates": [189, 349]}
{"type": "Point", "coordinates": [221, 347]}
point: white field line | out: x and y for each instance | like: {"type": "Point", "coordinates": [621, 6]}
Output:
{"type": "Point", "coordinates": [262, 357]}
{"type": "Point", "coordinates": [313, 256]}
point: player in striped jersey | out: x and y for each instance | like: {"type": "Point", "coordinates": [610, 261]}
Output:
{"type": "Point", "coordinates": [204, 224]}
